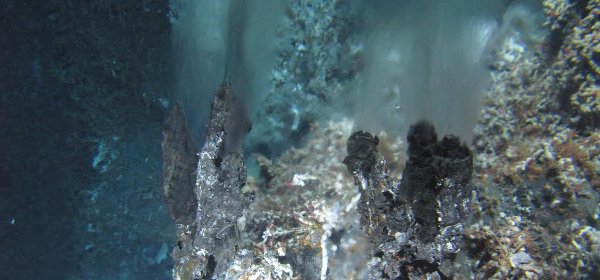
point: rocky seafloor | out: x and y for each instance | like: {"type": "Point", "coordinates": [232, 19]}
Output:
{"type": "Point", "coordinates": [521, 201]}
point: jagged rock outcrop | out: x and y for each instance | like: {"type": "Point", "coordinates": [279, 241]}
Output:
{"type": "Point", "coordinates": [179, 163]}
{"type": "Point", "coordinates": [414, 226]}
{"type": "Point", "coordinates": [207, 244]}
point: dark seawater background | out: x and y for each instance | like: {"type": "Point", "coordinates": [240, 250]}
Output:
{"type": "Point", "coordinates": [77, 79]}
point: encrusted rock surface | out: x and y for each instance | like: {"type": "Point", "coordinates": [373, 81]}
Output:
{"type": "Point", "coordinates": [179, 160]}
{"type": "Point", "coordinates": [207, 245]}
{"type": "Point", "coordinates": [414, 226]}
{"type": "Point", "coordinates": [531, 212]}
{"type": "Point", "coordinates": [317, 60]}
{"type": "Point", "coordinates": [537, 158]}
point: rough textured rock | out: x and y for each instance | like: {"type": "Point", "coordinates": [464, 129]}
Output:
{"type": "Point", "coordinates": [207, 245]}
{"type": "Point", "coordinates": [362, 151]}
{"type": "Point", "coordinates": [179, 160]}
{"type": "Point", "coordinates": [415, 227]}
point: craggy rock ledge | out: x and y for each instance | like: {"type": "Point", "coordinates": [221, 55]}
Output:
{"type": "Point", "coordinates": [415, 226]}
{"type": "Point", "coordinates": [209, 235]}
